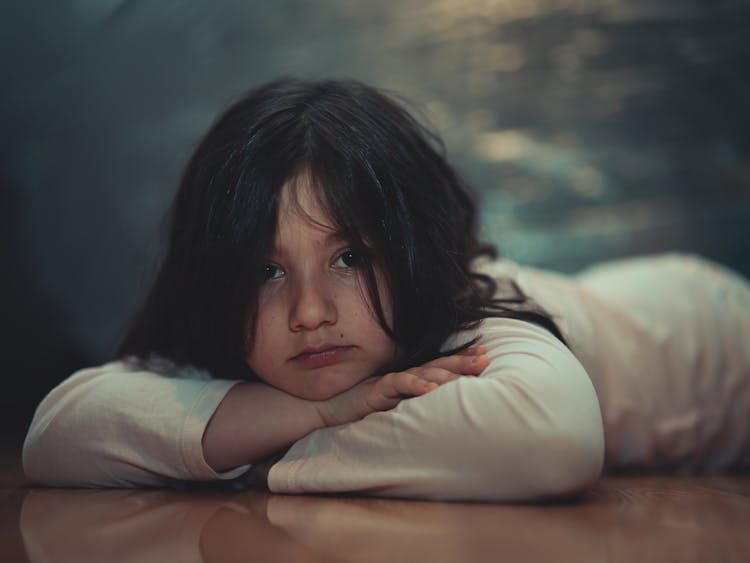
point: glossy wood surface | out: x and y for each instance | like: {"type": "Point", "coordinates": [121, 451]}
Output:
{"type": "Point", "coordinates": [620, 519]}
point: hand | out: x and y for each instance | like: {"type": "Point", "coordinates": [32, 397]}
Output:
{"type": "Point", "coordinates": [385, 392]}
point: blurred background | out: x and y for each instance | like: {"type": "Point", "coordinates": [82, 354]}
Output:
{"type": "Point", "coordinates": [591, 129]}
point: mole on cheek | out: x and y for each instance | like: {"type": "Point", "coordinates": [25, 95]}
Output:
{"type": "Point", "coordinates": [341, 335]}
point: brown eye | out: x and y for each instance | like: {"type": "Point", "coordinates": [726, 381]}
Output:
{"type": "Point", "coordinates": [350, 259]}
{"type": "Point", "coordinates": [272, 272]}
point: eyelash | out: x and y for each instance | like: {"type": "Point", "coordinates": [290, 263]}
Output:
{"type": "Point", "coordinates": [356, 258]}
{"type": "Point", "coordinates": [268, 272]}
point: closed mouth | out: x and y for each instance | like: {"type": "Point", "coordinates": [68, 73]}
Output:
{"type": "Point", "coordinates": [315, 356]}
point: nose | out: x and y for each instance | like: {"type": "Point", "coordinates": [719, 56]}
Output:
{"type": "Point", "coordinates": [313, 306]}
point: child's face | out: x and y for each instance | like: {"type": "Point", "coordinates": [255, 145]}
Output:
{"type": "Point", "coordinates": [315, 333]}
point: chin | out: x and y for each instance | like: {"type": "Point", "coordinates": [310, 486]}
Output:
{"type": "Point", "coordinates": [314, 395]}
{"type": "Point", "coordinates": [319, 392]}
{"type": "Point", "coordinates": [324, 388]}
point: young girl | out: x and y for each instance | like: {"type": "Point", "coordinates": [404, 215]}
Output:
{"type": "Point", "coordinates": [325, 319]}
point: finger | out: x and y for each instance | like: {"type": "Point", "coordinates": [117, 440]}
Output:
{"type": "Point", "coordinates": [392, 388]}
{"type": "Point", "coordinates": [403, 384]}
{"type": "Point", "coordinates": [473, 351]}
{"type": "Point", "coordinates": [434, 374]}
{"type": "Point", "coordinates": [461, 364]}
{"type": "Point", "coordinates": [384, 394]}
{"type": "Point", "coordinates": [418, 380]}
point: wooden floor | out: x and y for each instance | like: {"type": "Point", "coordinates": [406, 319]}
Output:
{"type": "Point", "coordinates": [628, 519]}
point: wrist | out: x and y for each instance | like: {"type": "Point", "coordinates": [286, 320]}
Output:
{"type": "Point", "coordinates": [345, 407]}
{"type": "Point", "coordinates": [254, 421]}
{"type": "Point", "coordinates": [324, 413]}
{"type": "Point", "coordinates": [331, 412]}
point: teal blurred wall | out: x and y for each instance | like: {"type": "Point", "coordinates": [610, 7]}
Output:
{"type": "Point", "coordinates": [591, 129]}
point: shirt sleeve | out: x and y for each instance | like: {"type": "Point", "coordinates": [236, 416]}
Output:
{"type": "Point", "coordinates": [528, 428]}
{"type": "Point", "coordinates": [116, 425]}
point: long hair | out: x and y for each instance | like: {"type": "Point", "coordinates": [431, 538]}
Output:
{"type": "Point", "coordinates": [386, 185]}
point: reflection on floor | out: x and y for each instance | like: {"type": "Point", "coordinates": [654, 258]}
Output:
{"type": "Point", "coordinates": [621, 519]}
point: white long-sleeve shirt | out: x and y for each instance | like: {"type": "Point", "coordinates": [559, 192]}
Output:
{"type": "Point", "coordinates": [658, 368]}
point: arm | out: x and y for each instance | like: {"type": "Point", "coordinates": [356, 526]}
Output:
{"type": "Point", "coordinates": [529, 427]}
{"type": "Point", "coordinates": [255, 420]}
{"type": "Point", "coordinates": [116, 425]}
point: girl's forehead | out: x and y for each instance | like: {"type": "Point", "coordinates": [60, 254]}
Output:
{"type": "Point", "coordinates": [300, 207]}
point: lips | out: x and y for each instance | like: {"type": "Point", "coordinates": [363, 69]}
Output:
{"type": "Point", "coordinates": [326, 354]}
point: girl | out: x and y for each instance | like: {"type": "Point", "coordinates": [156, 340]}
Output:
{"type": "Point", "coordinates": [325, 319]}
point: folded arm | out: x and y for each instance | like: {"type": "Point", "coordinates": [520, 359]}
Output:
{"type": "Point", "coordinates": [123, 424]}
{"type": "Point", "coordinates": [117, 425]}
{"type": "Point", "coordinates": [529, 427]}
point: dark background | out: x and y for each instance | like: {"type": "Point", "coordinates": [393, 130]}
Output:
{"type": "Point", "coordinates": [592, 129]}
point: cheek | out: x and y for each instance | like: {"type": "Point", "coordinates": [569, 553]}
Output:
{"type": "Point", "coordinates": [259, 343]}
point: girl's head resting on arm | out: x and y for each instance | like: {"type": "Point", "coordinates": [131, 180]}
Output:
{"type": "Point", "coordinates": [316, 331]}
{"type": "Point", "coordinates": [348, 158]}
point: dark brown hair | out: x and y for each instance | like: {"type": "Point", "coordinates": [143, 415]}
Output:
{"type": "Point", "coordinates": [383, 178]}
